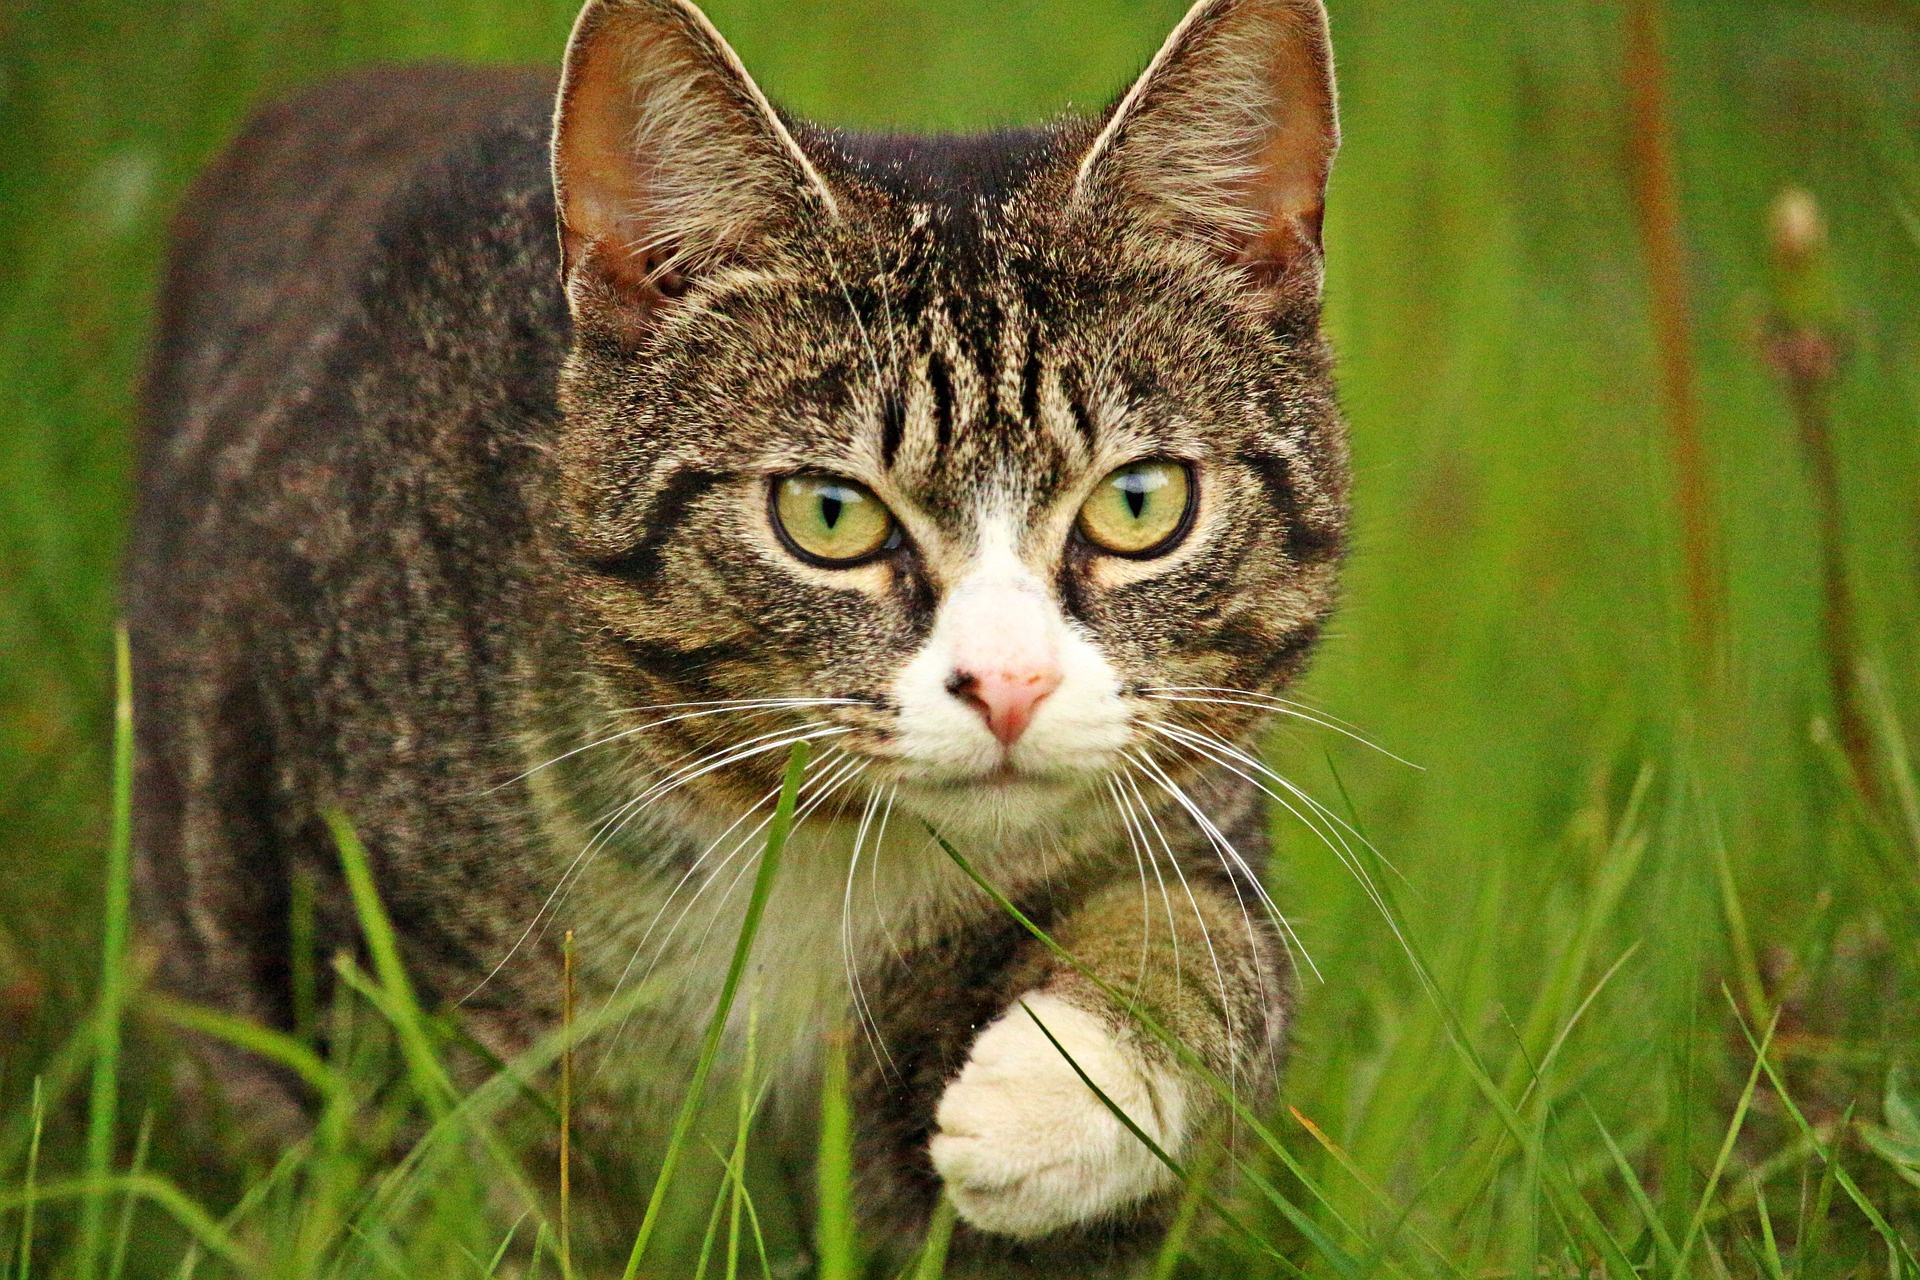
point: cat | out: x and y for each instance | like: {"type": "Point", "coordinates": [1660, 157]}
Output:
{"type": "Point", "coordinates": [1005, 471]}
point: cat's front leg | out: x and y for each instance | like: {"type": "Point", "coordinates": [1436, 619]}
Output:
{"type": "Point", "coordinates": [1025, 1148]}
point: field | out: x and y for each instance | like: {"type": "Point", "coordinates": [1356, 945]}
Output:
{"type": "Point", "coordinates": [1636, 590]}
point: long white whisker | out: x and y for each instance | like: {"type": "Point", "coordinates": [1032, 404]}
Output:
{"type": "Point", "coordinates": [1336, 842]}
{"type": "Point", "coordinates": [824, 788]}
{"type": "Point", "coordinates": [1234, 860]}
{"type": "Point", "coordinates": [1140, 870]}
{"type": "Point", "coordinates": [1200, 918]}
{"type": "Point", "coordinates": [744, 705]}
{"type": "Point", "coordinates": [615, 822]}
{"type": "Point", "coordinates": [1215, 836]}
{"type": "Point", "coordinates": [1217, 747]}
{"type": "Point", "coordinates": [692, 870]}
{"type": "Point", "coordinates": [1323, 827]}
{"type": "Point", "coordinates": [850, 768]}
{"type": "Point", "coordinates": [1136, 827]}
{"type": "Point", "coordinates": [1245, 698]}
{"type": "Point", "coordinates": [873, 874]}
{"type": "Point", "coordinates": [863, 1012]}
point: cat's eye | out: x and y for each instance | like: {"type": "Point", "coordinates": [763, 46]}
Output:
{"type": "Point", "coordinates": [1142, 509]}
{"type": "Point", "coordinates": [830, 521]}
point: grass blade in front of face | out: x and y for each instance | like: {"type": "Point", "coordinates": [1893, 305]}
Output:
{"type": "Point", "coordinates": [717, 1025]}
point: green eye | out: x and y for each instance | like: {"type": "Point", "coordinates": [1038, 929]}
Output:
{"type": "Point", "coordinates": [1141, 509]}
{"type": "Point", "coordinates": [829, 521]}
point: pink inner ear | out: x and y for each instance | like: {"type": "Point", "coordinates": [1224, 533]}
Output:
{"type": "Point", "coordinates": [596, 175]}
{"type": "Point", "coordinates": [1292, 167]}
{"type": "Point", "coordinates": [1230, 135]}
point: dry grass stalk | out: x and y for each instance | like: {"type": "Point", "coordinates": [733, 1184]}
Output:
{"type": "Point", "coordinates": [1656, 199]}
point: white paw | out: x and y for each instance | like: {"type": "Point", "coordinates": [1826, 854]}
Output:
{"type": "Point", "coordinates": [1025, 1148]}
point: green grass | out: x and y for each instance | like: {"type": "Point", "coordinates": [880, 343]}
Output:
{"type": "Point", "coordinates": [1535, 1046]}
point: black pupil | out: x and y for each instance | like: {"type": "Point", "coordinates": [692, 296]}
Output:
{"type": "Point", "coordinates": [1134, 486]}
{"type": "Point", "coordinates": [830, 506]}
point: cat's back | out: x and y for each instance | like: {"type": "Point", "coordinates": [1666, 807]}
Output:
{"type": "Point", "coordinates": [273, 248]}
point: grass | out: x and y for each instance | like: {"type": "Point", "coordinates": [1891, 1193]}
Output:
{"type": "Point", "coordinates": [1625, 867]}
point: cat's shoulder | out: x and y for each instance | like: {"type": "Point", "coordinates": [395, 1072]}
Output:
{"type": "Point", "coordinates": [274, 242]}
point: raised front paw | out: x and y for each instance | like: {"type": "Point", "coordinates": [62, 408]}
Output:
{"type": "Point", "coordinates": [1025, 1148]}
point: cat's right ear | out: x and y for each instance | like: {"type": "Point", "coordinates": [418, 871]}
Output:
{"type": "Point", "coordinates": [667, 158]}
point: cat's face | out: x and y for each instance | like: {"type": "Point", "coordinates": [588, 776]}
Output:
{"type": "Point", "coordinates": [991, 456]}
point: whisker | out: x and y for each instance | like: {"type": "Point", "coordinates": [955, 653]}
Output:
{"type": "Point", "coordinates": [823, 789]}
{"type": "Point", "coordinates": [1233, 859]}
{"type": "Point", "coordinates": [1331, 837]}
{"type": "Point", "coordinates": [1268, 702]}
{"type": "Point", "coordinates": [1288, 938]}
{"type": "Point", "coordinates": [850, 768]}
{"type": "Point", "coordinates": [873, 874]}
{"type": "Point", "coordinates": [615, 822]}
{"type": "Point", "coordinates": [1317, 818]}
{"type": "Point", "coordinates": [748, 705]}
{"type": "Point", "coordinates": [1140, 870]}
{"type": "Point", "coordinates": [1216, 746]}
{"type": "Point", "coordinates": [1199, 917]}
{"type": "Point", "coordinates": [692, 870]}
{"type": "Point", "coordinates": [863, 1012]}
{"type": "Point", "coordinates": [1136, 827]}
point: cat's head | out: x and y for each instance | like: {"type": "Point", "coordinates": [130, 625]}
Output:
{"type": "Point", "coordinates": [997, 451]}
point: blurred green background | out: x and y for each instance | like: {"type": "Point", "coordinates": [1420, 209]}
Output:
{"type": "Point", "coordinates": [1501, 259]}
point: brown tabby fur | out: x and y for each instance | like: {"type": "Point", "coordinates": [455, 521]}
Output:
{"type": "Point", "coordinates": [424, 504]}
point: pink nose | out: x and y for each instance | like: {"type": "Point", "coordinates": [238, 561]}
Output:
{"type": "Point", "coordinates": [1006, 700]}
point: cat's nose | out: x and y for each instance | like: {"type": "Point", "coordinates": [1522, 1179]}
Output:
{"type": "Point", "coordinates": [1006, 699]}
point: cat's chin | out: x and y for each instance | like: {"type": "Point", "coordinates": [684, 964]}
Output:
{"type": "Point", "coordinates": [997, 805]}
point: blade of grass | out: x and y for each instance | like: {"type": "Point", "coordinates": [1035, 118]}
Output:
{"type": "Point", "coordinates": [566, 1108]}
{"type": "Point", "coordinates": [1770, 1258]}
{"type": "Point", "coordinates": [244, 1033]}
{"type": "Point", "coordinates": [500, 1254]}
{"type": "Point", "coordinates": [1663, 1240]}
{"type": "Point", "coordinates": [743, 1122]}
{"type": "Point", "coordinates": [1379, 890]}
{"type": "Point", "coordinates": [409, 1022]}
{"type": "Point", "coordinates": [933, 1254]}
{"type": "Point", "coordinates": [1745, 964]}
{"type": "Point", "coordinates": [1603, 1242]}
{"type": "Point", "coordinates": [197, 1222]}
{"type": "Point", "coordinates": [103, 1100]}
{"type": "Point", "coordinates": [117, 1262]}
{"type": "Point", "coordinates": [56, 1077]}
{"type": "Point", "coordinates": [716, 1026]}
{"type": "Point", "coordinates": [720, 1194]}
{"type": "Point", "coordinates": [731, 1181]}
{"type": "Point", "coordinates": [1152, 1027]}
{"type": "Point", "coordinates": [29, 1197]}
{"type": "Point", "coordinates": [1734, 1125]}
{"type": "Point", "coordinates": [834, 1235]}
{"type": "Point", "coordinates": [1173, 1246]}
{"type": "Point", "coordinates": [1372, 1188]}
{"type": "Point", "coordinates": [303, 943]}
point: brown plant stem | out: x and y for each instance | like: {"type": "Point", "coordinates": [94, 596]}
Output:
{"type": "Point", "coordinates": [1655, 190]}
{"type": "Point", "coordinates": [1807, 362]}
{"type": "Point", "coordinates": [1804, 344]}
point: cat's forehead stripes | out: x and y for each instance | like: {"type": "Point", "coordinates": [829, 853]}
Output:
{"type": "Point", "coordinates": [978, 396]}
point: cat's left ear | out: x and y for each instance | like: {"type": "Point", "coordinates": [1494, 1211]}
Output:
{"type": "Point", "coordinates": [1227, 139]}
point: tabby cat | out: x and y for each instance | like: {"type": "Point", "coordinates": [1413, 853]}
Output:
{"type": "Point", "coordinates": [1005, 471]}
